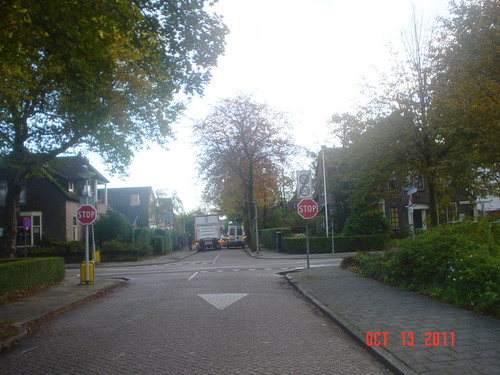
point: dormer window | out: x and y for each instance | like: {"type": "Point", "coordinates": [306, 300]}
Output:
{"type": "Point", "coordinates": [134, 200]}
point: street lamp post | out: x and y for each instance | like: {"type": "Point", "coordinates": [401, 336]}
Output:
{"type": "Point", "coordinates": [256, 226]}
{"type": "Point", "coordinates": [86, 175]}
{"type": "Point", "coordinates": [323, 149]}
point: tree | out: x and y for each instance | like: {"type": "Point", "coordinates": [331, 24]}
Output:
{"type": "Point", "coordinates": [467, 89]}
{"type": "Point", "coordinates": [346, 127]}
{"type": "Point", "coordinates": [95, 76]}
{"type": "Point", "coordinates": [243, 149]}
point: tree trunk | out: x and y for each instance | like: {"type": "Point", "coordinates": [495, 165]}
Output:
{"type": "Point", "coordinates": [433, 203]}
{"type": "Point", "coordinates": [14, 188]}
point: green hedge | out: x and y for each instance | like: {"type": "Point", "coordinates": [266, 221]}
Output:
{"type": "Point", "coordinates": [123, 251]}
{"type": "Point", "coordinates": [268, 236]}
{"type": "Point", "coordinates": [343, 244]}
{"type": "Point", "coordinates": [70, 251]}
{"type": "Point", "coordinates": [29, 272]}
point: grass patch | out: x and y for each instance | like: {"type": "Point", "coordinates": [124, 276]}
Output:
{"type": "Point", "coordinates": [7, 330]}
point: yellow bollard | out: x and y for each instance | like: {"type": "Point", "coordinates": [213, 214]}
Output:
{"type": "Point", "coordinates": [97, 256]}
{"type": "Point", "coordinates": [91, 272]}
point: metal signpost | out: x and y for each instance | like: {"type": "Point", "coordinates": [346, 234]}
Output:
{"type": "Point", "coordinates": [86, 215]}
{"type": "Point", "coordinates": [26, 227]}
{"type": "Point", "coordinates": [307, 209]}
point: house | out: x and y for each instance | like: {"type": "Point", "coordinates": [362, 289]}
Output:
{"type": "Point", "coordinates": [396, 204]}
{"type": "Point", "coordinates": [50, 202]}
{"type": "Point", "coordinates": [137, 204]}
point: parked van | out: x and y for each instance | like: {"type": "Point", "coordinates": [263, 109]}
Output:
{"type": "Point", "coordinates": [235, 236]}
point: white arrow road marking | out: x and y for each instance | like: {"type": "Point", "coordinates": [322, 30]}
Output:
{"type": "Point", "coordinates": [221, 301]}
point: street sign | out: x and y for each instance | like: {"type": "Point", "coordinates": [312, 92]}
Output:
{"type": "Point", "coordinates": [307, 208]}
{"type": "Point", "coordinates": [411, 191]}
{"type": "Point", "coordinates": [86, 214]}
{"type": "Point", "coordinates": [304, 184]}
{"type": "Point", "coordinates": [27, 223]}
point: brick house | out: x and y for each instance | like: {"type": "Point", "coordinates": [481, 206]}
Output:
{"type": "Point", "coordinates": [395, 207]}
{"type": "Point", "coordinates": [137, 204]}
{"type": "Point", "coordinates": [51, 202]}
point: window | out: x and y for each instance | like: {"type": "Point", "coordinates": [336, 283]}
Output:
{"type": "Point", "coordinates": [3, 193]}
{"type": "Point", "coordinates": [418, 182]}
{"type": "Point", "coordinates": [75, 229]}
{"type": "Point", "coordinates": [32, 236]}
{"type": "Point", "coordinates": [392, 182]}
{"type": "Point", "coordinates": [394, 217]}
{"type": "Point", "coordinates": [22, 197]}
{"type": "Point", "coordinates": [134, 200]}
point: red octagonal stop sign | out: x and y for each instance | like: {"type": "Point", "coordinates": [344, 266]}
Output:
{"type": "Point", "coordinates": [86, 214]}
{"type": "Point", "coordinates": [307, 208]}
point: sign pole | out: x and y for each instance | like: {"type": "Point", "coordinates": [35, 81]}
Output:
{"type": "Point", "coordinates": [307, 244]}
{"type": "Point", "coordinates": [86, 254]}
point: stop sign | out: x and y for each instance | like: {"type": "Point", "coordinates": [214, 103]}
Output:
{"type": "Point", "coordinates": [307, 208]}
{"type": "Point", "coordinates": [86, 214]}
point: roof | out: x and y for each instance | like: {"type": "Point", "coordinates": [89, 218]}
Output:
{"type": "Point", "coordinates": [71, 166]}
{"type": "Point", "coordinates": [121, 196]}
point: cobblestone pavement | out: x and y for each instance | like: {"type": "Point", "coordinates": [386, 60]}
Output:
{"type": "Point", "coordinates": [447, 340]}
{"type": "Point", "coordinates": [227, 322]}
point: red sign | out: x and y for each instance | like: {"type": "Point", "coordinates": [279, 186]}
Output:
{"type": "Point", "coordinates": [86, 214]}
{"type": "Point", "coordinates": [307, 208]}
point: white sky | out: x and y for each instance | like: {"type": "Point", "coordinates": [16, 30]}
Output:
{"type": "Point", "coordinates": [304, 57]}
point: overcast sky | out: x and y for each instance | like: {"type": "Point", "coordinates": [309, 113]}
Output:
{"type": "Point", "coordinates": [303, 57]}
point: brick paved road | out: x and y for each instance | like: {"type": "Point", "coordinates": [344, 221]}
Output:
{"type": "Point", "coordinates": [185, 323]}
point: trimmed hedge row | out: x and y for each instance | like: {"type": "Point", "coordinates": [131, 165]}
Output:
{"type": "Point", "coordinates": [29, 272]}
{"type": "Point", "coordinates": [70, 251]}
{"type": "Point", "coordinates": [268, 236]}
{"type": "Point", "coordinates": [343, 244]}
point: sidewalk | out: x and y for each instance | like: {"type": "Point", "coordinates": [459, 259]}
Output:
{"type": "Point", "coordinates": [378, 314]}
{"type": "Point", "coordinates": [68, 293]}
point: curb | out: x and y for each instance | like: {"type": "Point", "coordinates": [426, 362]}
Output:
{"type": "Point", "coordinates": [26, 327]}
{"type": "Point", "coordinates": [383, 355]}
{"type": "Point", "coordinates": [131, 263]}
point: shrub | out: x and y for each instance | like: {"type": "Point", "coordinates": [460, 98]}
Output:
{"type": "Point", "coordinates": [459, 263]}
{"type": "Point", "coordinates": [29, 272]}
{"type": "Point", "coordinates": [158, 244]}
{"type": "Point", "coordinates": [112, 226]}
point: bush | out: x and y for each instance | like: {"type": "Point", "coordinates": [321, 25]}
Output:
{"type": "Point", "coordinates": [158, 244]}
{"type": "Point", "coordinates": [459, 264]}
{"type": "Point", "coordinates": [29, 272]}
{"type": "Point", "coordinates": [112, 226]}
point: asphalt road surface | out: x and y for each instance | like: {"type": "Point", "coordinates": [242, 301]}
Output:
{"type": "Point", "coordinates": [217, 312]}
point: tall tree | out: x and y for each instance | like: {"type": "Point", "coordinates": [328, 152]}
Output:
{"type": "Point", "coordinates": [243, 147]}
{"type": "Point", "coordinates": [467, 89]}
{"type": "Point", "coordinates": [95, 76]}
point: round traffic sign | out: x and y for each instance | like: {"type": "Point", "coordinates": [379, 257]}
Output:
{"type": "Point", "coordinates": [307, 208]}
{"type": "Point", "coordinates": [27, 223]}
{"type": "Point", "coordinates": [86, 214]}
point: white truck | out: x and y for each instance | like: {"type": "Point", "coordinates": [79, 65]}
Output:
{"type": "Point", "coordinates": [236, 236]}
{"type": "Point", "coordinates": [207, 232]}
